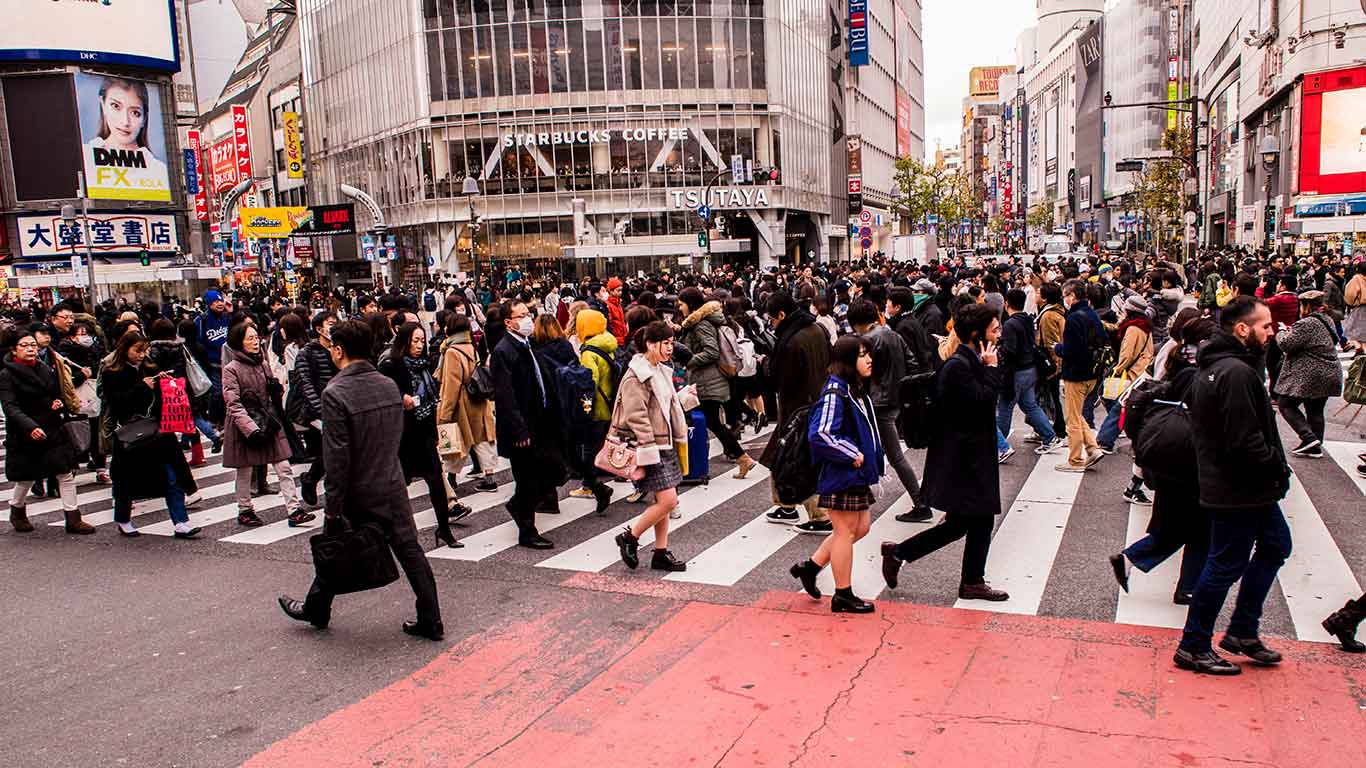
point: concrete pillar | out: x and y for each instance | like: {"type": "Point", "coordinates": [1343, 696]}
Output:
{"type": "Point", "coordinates": [770, 246]}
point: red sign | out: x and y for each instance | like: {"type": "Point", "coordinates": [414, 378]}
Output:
{"type": "Point", "coordinates": [903, 123]}
{"type": "Point", "coordinates": [222, 175]}
{"type": "Point", "coordinates": [1007, 193]}
{"type": "Point", "coordinates": [201, 199]}
{"type": "Point", "coordinates": [241, 143]}
{"type": "Point", "coordinates": [1332, 145]}
{"type": "Point", "coordinates": [855, 185]}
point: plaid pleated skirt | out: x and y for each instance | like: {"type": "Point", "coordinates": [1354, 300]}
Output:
{"type": "Point", "coordinates": [856, 499]}
{"type": "Point", "coordinates": [662, 476]}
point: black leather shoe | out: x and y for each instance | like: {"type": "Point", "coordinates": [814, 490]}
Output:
{"type": "Point", "coordinates": [193, 533]}
{"type": "Point", "coordinates": [839, 604]}
{"type": "Point", "coordinates": [1117, 565]}
{"type": "Point", "coordinates": [982, 591]}
{"type": "Point", "coordinates": [917, 515]}
{"type": "Point", "coordinates": [308, 491]}
{"type": "Point", "coordinates": [664, 560]}
{"type": "Point", "coordinates": [294, 609]}
{"type": "Point", "coordinates": [535, 541]}
{"type": "Point", "coordinates": [1182, 598]}
{"type": "Point", "coordinates": [1207, 663]}
{"type": "Point", "coordinates": [1253, 649]}
{"type": "Point", "coordinates": [628, 545]}
{"type": "Point", "coordinates": [891, 564]}
{"type": "Point", "coordinates": [603, 496]}
{"type": "Point", "coordinates": [806, 572]}
{"type": "Point", "coordinates": [430, 631]}
{"type": "Point", "coordinates": [487, 485]}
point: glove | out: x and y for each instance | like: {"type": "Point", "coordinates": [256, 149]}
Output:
{"type": "Point", "coordinates": [257, 439]}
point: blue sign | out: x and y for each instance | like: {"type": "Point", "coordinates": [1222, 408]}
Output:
{"type": "Point", "coordinates": [853, 230]}
{"type": "Point", "coordinates": [390, 249]}
{"type": "Point", "coordinates": [867, 242]}
{"type": "Point", "coordinates": [858, 33]}
{"type": "Point", "coordinates": [704, 212]}
{"type": "Point", "coordinates": [289, 266]}
{"type": "Point", "coordinates": [191, 173]}
{"type": "Point", "coordinates": [866, 232]}
{"type": "Point", "coordinates": [431, 261]}
{"type": "Point", "coordinates": [367, 248]}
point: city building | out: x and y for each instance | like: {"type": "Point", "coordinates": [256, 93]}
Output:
{"type": "Point", "coordinates": [981, 143]}
{"type": "Point", "coordinates": [592, 132]}
{"type": "Point", "coordinates": [1135, 67]}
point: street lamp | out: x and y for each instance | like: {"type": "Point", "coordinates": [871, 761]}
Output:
{"type": "Point", "coordinates": [470, 189]}
{"type": "Point", "coordinates": [1270, 150]}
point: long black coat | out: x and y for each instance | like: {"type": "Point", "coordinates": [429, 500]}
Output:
{"type": "Point", "coordinates": [417, 448]}
{"type": "Point", "coordinates": [141, 473]}
{"type": "Point", "coordinates": [961, 471]}
{"type": "Point", "coordinates": [521, 412]}
{"type": "Point", "coordinates": [26, 393]}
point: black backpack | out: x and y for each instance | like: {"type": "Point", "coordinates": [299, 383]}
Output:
{"type": "Point", "coordinates": [1165, 448]}
{"type": "Point", "coordinates": [480, 386]}
{"type": "Point", "coordinates": [793, 470]}
{"type": "Point", "coordinates": [1136, 406]}
{"type": "Point", "coordinates": [429, 301]}
{"type": "Point", "coordinates": [1103, 355]}
{"type": "Point", "coordinates": [917, 422]}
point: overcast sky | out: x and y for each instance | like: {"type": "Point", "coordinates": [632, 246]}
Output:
{"type": "Point", "coordinates": [960, 35]}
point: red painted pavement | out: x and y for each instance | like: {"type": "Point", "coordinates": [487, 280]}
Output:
{"type": "Point", "coordinates": [783, 683]}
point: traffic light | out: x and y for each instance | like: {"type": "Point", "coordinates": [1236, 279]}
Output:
{"type": "Point", "coordinates": [702, 239]}
{"type": "Point", "coordinates": [145, 258]}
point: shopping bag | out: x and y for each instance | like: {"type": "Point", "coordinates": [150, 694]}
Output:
{"type": "Point", "coordinates": [1114, 387]}
{"type": "Point", "coordinates": [449, 442]}
{"type": "Point", "coordinates": [89, 399]}
{"type": "Point", "coordinates": [176, 415]}
{"type": "Point", "coordinates": [353, 559]}
{"type": "Point", "coordinates": [196, 377]}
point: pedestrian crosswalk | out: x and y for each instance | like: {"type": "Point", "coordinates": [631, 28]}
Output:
{"type": "Point", "coordinates": [728, 542]}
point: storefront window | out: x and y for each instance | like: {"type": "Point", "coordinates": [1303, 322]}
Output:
{"type": "Point", "coordinates": [578, 74]}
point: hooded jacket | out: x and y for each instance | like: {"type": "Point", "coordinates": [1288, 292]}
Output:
{"type": "Point", "coordinates": [1237, 446]}
{"type": "Point", "coordinates": [701, 333]}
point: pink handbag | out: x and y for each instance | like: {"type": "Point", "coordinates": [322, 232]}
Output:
{"type": "Point", "coordinates": [618, 457]}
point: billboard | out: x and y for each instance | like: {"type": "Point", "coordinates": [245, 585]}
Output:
{"type": "Point", "coordinates": [986, 81]}
{"type": "Point", "coordinates": [44, 153]}
{"type": "Point", "coordinates": [123, 142]}
{"type": "Point", "coordinates": [280, 221]}
{"type": "Point", "coordinates": [858, 33]}
{"type": "Point", "coordinates": [47, 236]}
{"type": "Point", "coordinates": [1333, 132]}
{"type": "Point", "coordinates": [139, 33]}
{"type": "Point", "coordinates": [903, 123]}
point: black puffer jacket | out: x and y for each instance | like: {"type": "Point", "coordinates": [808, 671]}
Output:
{"type": "Point", "coordinates": [313, 369]}
{"type": "Point", "coordinates": [1237, 446]}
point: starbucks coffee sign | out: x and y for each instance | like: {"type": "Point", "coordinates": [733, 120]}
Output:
{"type": "Point", "coordinates": [594, 136]}
{"type": "Point", "coordinates": [720, 197]}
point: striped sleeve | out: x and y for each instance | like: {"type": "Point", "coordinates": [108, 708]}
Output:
{"type": "Point", "coordinates": [824, 430]}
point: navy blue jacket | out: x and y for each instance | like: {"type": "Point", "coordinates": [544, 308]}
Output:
{"type": "Point", "coordinates": [1078, 359]}
{"type": "Point", "coordinates": [836, 439]}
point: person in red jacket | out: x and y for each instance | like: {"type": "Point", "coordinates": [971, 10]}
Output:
{"type": "Point", "coordinates": [616, 317]}
{"type": "Point", "coordinates": [1285, 310]}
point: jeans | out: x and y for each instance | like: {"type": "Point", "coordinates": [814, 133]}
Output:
{"type": "Point", "coordinates": [206, 428]}
{"type": "Point", "coordinates": [1025, 383]}
{"type": "Point", "coordinates": [175, 500]}
{"type": "Point", "coordinates": [1109, 429]}
{"type": "Point", "coordinates": [1081, 441]}
{"type": "Point", "coordinates": [1002, 445]}
{"type": "Point", "coordinates": [1182, 522]}
{"type": "Point", "coordinates": [1309, 425]}
{"type": "Point", "coordinates": [977, 529]}
{"type": "Point", "coordinates": [891, 445]}
{"type": "Point", "coordinates": [1233, 534]}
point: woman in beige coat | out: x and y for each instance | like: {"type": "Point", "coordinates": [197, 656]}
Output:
{"type": "Point", "coordinates": [651, 412]}
{"type": "Point", "coordinates": [458, 361]}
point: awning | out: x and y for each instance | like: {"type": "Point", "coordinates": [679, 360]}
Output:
{"type": "Point", "coordinates": [1315, 206]}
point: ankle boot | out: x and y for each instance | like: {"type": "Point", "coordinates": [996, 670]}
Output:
{"type": "Point", "coordinates": [197, 454]}
{"type": "Point", "coordinates": [74, 523]}
{"type": "Point", "coordinates": [664, 560]}
{"type": "Point", "coordinates": [18, 517]}
{"type": "Point", "coordinates": [1343, 624]}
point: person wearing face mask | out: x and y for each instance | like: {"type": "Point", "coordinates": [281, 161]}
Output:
{"type": "Point", "coordinates": [1243, 476]}
{"type": "Point", "coordinates": [252, 433]}
{"type": "Point", "coordinates": [82, 348]}
{"type": "Point", "coordinates": [526, 423]}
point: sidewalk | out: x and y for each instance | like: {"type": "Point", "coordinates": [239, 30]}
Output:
{"type": "Point", "coordinates": [783, 683]}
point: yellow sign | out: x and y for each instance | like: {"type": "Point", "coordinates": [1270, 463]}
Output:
{"type": "Point", "coordinates": [986, 81]}
{"type": "Point", "coordinates": [294, 150]}
{"type": "Point", "coordinates": [273, 222]}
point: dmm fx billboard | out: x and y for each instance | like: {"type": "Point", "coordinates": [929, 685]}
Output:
{"type": "Point", "coordinates": [41, 236]}
{"type": "Point", "coordinates": [858, 33]}
{"type": "Point", "coordinates": [139, 33]}
{"type": "Point", "coordinates": [123, 142]}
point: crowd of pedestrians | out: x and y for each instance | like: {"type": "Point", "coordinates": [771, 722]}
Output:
{"type": "Point", "coordinates": [854, 363]}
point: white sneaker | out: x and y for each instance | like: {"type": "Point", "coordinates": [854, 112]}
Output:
{"type": "Point", "coordinates": [194, 500]}
{"type": "Point", "coordinates": [675, 514]}
{"type": "Point", "coordinates": [1049, 447]}
{"type": "Point", "coordinates": [1069, 467]}
{"type": "Point", "coordinates": [1005, 456]}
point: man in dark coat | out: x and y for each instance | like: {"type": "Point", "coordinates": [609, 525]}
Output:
{"type": "Point", "coordinates": [525, 424]}
{"type": "Point", "coordinates": [1243, 476]}
{"type": "Point", "coordinates": [798, 368]}
{"type": "Point", "coordinates": [961, 468]}
{"type": "Point", "coordinates": [363, 414]}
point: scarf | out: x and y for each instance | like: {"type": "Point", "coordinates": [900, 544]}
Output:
{"type": "Point", "coordinates": [250, 358]}
{"type": "Point", "coordinates": [1141, 322]}
{"type": "Point", "coordinates": [424, 388]}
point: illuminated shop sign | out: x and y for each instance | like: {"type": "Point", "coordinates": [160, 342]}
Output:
{"type": "Point", "coordinates": [594, 136]}
{"type": "Point", "coordinates": [721, 197]}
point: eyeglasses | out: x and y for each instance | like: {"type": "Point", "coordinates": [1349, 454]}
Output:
{"type": "Point", "coordinates": [27, 344]}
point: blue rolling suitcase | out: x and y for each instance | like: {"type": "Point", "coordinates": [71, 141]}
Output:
{"type": "Point", "coordinates": [699, 450]}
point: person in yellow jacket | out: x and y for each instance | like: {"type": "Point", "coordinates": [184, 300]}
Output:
{"type": "Point", "coordinates": [597, 350]}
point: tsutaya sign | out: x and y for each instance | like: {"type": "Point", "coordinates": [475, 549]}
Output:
{"type": "Point", "coordinates": [721, 197]}
{"type": "Point", "coordinates": [594, 136]}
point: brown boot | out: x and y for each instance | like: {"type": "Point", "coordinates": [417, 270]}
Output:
{"type": "Point", "coordinates": [743, 465]}
{"type": "Point", "coordinates": [981, 591]}
{"type": "Point", "coordinates": [1343, 624]}
{"type": "Point", "coordinates": [18, 518]}
{"type": "Point", "coordinates": [74, 523]}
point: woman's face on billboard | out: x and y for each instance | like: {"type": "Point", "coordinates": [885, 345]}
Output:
{"type": "Point", "coordinates": [124, 114]}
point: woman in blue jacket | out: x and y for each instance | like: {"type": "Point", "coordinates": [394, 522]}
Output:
{"type": "Point", "coordinates": [848, 457]}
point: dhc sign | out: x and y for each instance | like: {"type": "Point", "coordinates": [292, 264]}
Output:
{"type": "Point", "coordinates": [858, 33]}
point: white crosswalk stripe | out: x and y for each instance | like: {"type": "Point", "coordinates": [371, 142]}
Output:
{"type": "Point", "coordinates": [1316, 578]}
{"type": "Point", "coordinates": [1149, 599]}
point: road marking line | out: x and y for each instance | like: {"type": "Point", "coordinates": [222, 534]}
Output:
{"type": "Point", "coordinates": [1149, 599]}
{"type": "Point", "coordinates": [730, 559]}
{"type": "Point", "coordinates": [1346, 456]}
{"type": "Point", "coordinates": [865, 577]}
{"type": "Point", "coordinates": [1315, 579]}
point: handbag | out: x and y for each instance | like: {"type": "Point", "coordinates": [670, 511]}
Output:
{"type": "Point", "coordinates": [1354, 389]}
{"type": "Point", "coordinates": [1114, 387]}
{"type": "Point", "coordinates": [449, 442]}
{"type": "Point", "coordinates": [138, 433]}
{"type": "Point", "coordinates": [618, 457]}
{"type": "Point", "coordinates": [77, 433]}
{"type": "Point", "coordinates": [353, 559]}
{"type": "Point", "coordinates": [196, 377]}
{"type": "Point", "coordinates": [88, 395]}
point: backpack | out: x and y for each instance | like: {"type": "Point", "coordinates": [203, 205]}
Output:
{"type": "Point", "coordinates": [1138, 404]}
{"type": "Point", "coordinates": [429, 301]}
{"type": "Point", "coordinates": [615, 365]}
{"type": "Point", "coordinates": [574, 393]}
{"type": "Point", "coordinates": [793, 470]}
{"type": "Point", "coordinates": [480, 386]}
{"type": "Point", "coordinates": [1103, 356]}
{"type": "Point", "coordinates": [1164, 448]}
{"type": "Point", "coordinates": [749, 358]}
{"type": "Point", "coordinates": [916, 422]}
{"type": "Point", "coordinates": [729, 361]}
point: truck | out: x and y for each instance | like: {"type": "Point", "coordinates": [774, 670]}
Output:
{"type": "Point", "coordinates": [917, 248]}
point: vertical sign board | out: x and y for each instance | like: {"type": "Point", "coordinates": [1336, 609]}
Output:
{"type": "Point", "coordinates": [858, 33]}
{"type": "Point", "coordinates": [903, 123]}
{"type": "Point", "coordinates": [201, 198]}
{"type": "Point", "coordinates": [241, 144]}
{"type": "Point", "coordinates": [294, 152]}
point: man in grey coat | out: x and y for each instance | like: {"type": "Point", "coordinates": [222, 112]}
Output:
{"type": "Point", "coordinates": [362, 415]}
